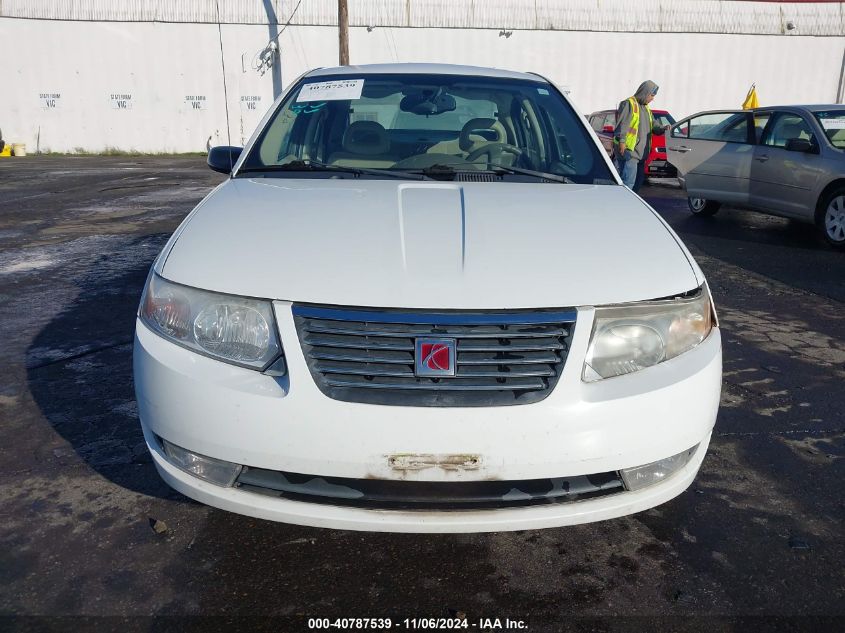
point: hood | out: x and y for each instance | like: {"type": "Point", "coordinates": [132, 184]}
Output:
{"type": "Point", "coordinates": [645, 89]}
{"type": "Point", "coordinates": [395, 243]}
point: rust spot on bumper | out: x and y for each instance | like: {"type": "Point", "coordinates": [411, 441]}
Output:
{"type": "Point", "coordinates": [413, 461]}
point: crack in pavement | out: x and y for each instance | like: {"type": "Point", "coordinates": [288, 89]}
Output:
{"type": "Point", "coordinates": [79, 355]}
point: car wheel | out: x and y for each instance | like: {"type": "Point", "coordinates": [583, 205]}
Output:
{"type": "Point", "coordinates": [702, 206]}
{"type": "Point", "coordinates": [831, 218]}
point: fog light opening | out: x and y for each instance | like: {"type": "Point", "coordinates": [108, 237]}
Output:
{"type": "Point", "coordinates": [215, 471]}
{"type": "Point", "coordinates": [641, 477]}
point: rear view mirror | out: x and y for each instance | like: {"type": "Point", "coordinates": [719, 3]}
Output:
{"type": "Point", "coordinates": [428, 102]}
{"type": "Point", "coordinates": [607, 129]}
{"type": "Point", "coordinates": [799, 145]}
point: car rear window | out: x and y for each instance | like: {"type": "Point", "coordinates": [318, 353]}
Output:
{"type": "Point", "coordinates": [833, 124]}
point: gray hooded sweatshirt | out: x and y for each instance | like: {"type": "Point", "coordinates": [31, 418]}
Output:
{"type": "Point", "coordinates": [624, 114]}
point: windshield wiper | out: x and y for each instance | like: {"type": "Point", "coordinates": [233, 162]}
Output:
{"type": "Point", "coordinates": [530, 172]}
{"type": "Point", "coordinates": [313, 165]}
{"type": "Point", "coordinates": [450, 170]}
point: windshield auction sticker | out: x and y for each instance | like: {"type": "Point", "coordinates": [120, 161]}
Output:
{"type": "Point", "coordinates": [834, 124]}
{"type": "Point", "coordinates": [338, 90]}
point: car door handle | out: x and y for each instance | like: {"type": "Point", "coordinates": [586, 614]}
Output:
{"type": "Point", "coordinates": [683, 149]}
{"type": "Point", "coordinates": [762, 158]}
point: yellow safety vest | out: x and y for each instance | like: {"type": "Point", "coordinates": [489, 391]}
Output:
{"type": "Point", "coordinates": [633, 132]}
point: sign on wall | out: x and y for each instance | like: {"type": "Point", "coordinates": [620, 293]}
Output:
{"type": "Point", "coordinates": [250, 103]}
{"type": "Point", "coordinates": [121, 101]}
{"type": "Point", "coordinates": [195, 102]}
{"type": "Point", "coordinates": [49, 100]}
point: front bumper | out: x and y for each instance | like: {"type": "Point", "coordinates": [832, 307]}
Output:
{"type": "Point", "coordinates": [287, 424]}
{"type": "Point", "coordinates": [420, 521]}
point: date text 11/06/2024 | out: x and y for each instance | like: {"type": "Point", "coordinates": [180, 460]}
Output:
{"type": "Point", "coordinates": [431, 624]}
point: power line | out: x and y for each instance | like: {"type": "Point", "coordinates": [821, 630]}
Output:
{"type": "Point", "coordinates": [223, 66]}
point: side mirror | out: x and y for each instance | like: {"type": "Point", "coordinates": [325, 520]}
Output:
{"type": "Point", "coordinates": [800, 145]}
{"type": "Point", "coordinates": [607, 129]}
{"type": "Point", "coordinates": [223, 158]}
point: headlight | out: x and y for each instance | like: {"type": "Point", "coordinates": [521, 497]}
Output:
{"type": "Point", "coordinates": [234, 329]}
{"type": "Point", "coordinates": [628, 338]}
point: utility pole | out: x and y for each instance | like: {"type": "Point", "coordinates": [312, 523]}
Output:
{"type": "Point", "coordinates": [343, 28]}
{"type": "Point", "coordinates": [840, 94]}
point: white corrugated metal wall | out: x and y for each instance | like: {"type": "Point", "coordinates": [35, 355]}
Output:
{"type": "Point", "coordinates": [73, 61]}
{"type": "Point", "coordinates": [823, 18]}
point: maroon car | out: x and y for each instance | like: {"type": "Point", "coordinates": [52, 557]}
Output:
{"type": "Point", "coordinates": [604, 122]}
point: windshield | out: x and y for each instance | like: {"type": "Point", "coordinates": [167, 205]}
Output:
{"type": "Point", "coordinates": [833, 124]}
{"type": "Point", "coordinates": [413, 123]}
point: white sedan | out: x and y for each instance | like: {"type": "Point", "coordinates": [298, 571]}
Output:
{"type": "Point", "coordinates": [424, 302]}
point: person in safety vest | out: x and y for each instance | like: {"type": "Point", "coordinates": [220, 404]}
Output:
{"type": "Point", "coordinates": [632, 135]}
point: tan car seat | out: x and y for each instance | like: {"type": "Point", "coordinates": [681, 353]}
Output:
{"type": "Point", "coordinates": [467, 141]}
{"type": "Point", "coordinates": [365, 144]}
{"type": "Point", "coordinates": [789, 131]}
{"type": "Point", "coordinates": [470, 140]}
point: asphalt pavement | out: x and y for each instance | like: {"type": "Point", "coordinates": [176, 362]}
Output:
{"type": "Point", "coordinates": [90, 536]}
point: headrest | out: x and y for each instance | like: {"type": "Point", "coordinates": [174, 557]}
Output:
{"type": "Point", "coordinates": [366, 137]}
{"type": "Point", "coordinates": [466, 143]}
{"type": "Point", "coordinates": [791, 130]}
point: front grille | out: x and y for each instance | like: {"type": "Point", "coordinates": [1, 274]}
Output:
{"type": "Point", "coordinates": [502, 358]}
{"type": "Point", "coordinates": [426, 495]}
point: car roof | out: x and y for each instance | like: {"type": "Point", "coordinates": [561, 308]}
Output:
{"type": "Point", "coordinates": [764, 109]}
{"type": "Point", "coordinates": [424, 69]}
{"type": "Point", "coordinates": [809, 108]}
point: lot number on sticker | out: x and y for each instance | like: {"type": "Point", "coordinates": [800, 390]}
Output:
{"type": "Point", "coordinates": [338, 90]}
{"type": "Point", "coordinates": [833, 124]}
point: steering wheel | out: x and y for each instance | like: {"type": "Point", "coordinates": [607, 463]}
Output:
{"type": "Point", "coordinates": [490, 148]}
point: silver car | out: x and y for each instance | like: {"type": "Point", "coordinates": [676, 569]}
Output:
{"type": "Point", "coordinates": [783, 160]}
